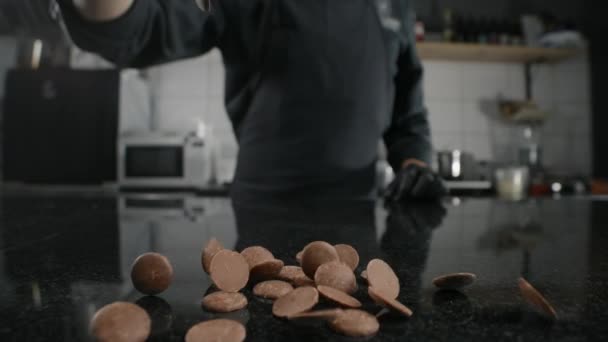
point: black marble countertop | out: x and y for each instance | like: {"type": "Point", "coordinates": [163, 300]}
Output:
{"type": "Point", "coordinates": [63, 256]}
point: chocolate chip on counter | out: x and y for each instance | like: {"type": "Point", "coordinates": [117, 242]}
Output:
{"type": "Point", "coordinates": [151, 273]}
{"type": "Point", "coordinates": [217, 330]}
{"type": "Point", "coordinates": [272, 289]}
{"type": "Point", "coordinates": [224, 302]}
{"type": "Point", "coordinates": [266, 270]}
{"type": "Point", "coordinates": [454, 281]}
{"type": "Point", "coordinates": [256, 255]}
{"type": "Point", "coordinates": [532, 296]}
{"type": "Point", "coordinates": [339, 297]}
{"type": "Point", "coordinates": [348, 255]}
{"type": "Point", "coordinates": [337, 275]}
{"type": "Point", "coordinates": [389, 303]}
{"type": "Point", "coordinates": [296, 276]}
{"type": "Point", "coordinates": [297, 301]}
{"type": "Point", "coordinates": [120, 322]}
{"type": "Point", "coordinates": [229, 271]}
{"type": "Point", "coordinates": [316, 254]}
{"type": "Point", "coordinates": [382, 278]}
{"type": "Point", "coordinates": [209, 251]}
{"type": "Point", "coordinates": [355, 323]}
{"type": "Point", "coordinates": [329, 314]}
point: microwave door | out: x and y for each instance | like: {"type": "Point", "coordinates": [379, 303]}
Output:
{"type": "Point", "coordinates": [153, 166]}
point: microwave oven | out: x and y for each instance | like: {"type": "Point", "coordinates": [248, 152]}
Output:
{"type": "Point", "coordinates": [163, 160]}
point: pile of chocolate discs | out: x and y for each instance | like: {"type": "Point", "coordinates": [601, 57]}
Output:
{"type": "Point", "coordinates": [326, 273]}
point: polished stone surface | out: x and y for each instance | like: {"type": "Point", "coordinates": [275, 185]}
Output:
{"type": "Point", "coordinates": [63, 256]}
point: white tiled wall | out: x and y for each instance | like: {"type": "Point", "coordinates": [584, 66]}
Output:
{"type": "Point", "coordinates": [461, 97]}
{"type": "Point", "coordinates": [186, 92]}
{"type": "Point", "coordinates": [462, 102]}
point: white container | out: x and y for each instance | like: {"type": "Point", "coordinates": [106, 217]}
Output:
{"type": "Point", "coordinates": [512, 183]}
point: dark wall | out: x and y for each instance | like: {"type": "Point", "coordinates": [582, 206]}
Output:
{"type": "Point", "coordinates": [597, 27]}
{"type": "Point", "coordinates": [570, 10]}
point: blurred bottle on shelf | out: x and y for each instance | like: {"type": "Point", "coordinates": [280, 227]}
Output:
{"type": "Point", "coordinates": [448, 25]}
{"type": "Point", "coordinates": [419, 31]}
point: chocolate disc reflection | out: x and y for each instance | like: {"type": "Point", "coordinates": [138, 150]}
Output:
{"type": "Point", "coordinates": [160, 312]}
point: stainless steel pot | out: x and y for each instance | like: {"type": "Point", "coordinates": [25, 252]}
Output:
{"type": "Point", "coordinates": [454, 164]}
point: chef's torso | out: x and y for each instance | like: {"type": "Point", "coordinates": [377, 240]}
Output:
{"type": "Point", "coordinates": [322, 101]}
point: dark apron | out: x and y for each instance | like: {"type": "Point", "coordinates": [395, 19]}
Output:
{"type": "Point", "coordinates": [322, 102]}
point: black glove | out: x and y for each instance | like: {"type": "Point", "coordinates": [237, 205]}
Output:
{"type": "Point", "coordinates": [415, 182]}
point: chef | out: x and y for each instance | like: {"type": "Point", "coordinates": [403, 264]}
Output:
{"type": "Point", "coordinates": [312, 86]}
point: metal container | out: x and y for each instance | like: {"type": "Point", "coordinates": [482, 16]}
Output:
{"type": "Point", "coordinates": [455, 164]}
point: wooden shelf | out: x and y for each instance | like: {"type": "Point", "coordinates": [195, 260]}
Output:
{"type": "Point", "coordinates": [492, 53]}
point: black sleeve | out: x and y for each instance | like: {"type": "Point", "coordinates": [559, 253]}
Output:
{"type": "Point", "coordinates": [150, 32]}
{"type": "Point", "coordinates": [409, 133]}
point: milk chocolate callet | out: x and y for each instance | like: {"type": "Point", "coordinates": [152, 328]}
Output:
{"type": "Point", "coordinates": [329, 314]}
{"type": "Point", "coordinates": [299, 257]}
{"type": "Point", "coordinates": [355, 323]}
{"type": "Point", "coordinates": [364, 274]}
{"type": "Point", "coordinates": [337, 275]}
{"type": "Point", "coordinates": [266, 270]}
{"type": "Point", "coordinates": [389, 303]}
{"type": "Point", "coordinates": [151, 273]}
{"type": "Point", "coordinates": [209, 251]}
{"type": "Point", "coordinates": [348, 255]}
{"type": "Point", "coordinates": [454, 281]}
{"type": "Point", "coordinates": [272, 289]}
{"type": "Point", "coordinates": [224, 301]}
{"type": "Point", "coordinates": [338, 297]}
{"type": "Point", "coordinates": [297, 301]}
{"type": "Point", "coordinates": [316, 254]}
{"type": "Point", "coordinates": [229, 271]}
{"type": "Point", "coordinates": [256, 255]}
{"type": "Point", "coordinates": [382, 277]}
{"type": "Point", "coordinates": [295, 276]}
{"type": "Point", "coordinates": [120, 322]}
{"type": "Point", "coordinates": [532, 296]}
{"type": "Point", "coordinates": [217, 330]}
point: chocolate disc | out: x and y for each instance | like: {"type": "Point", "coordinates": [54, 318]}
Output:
{"type": "Point", "coordinates": [297, 301]}
{"type": "Point", "coordinates": [389, 303]}
{"type": "Point", "coordinates": [348, 255]}
{"type": "Point", "coordinates": [266, 270]}
{"type": "Point", "coordinates": [532, 296]}
{"type": "Point", "coordinates": [305, 281]}
{"type": "Point", "coordinates": [382, 277]}
{"type": "Point", "coordinates": [224, 301]}
{"type": "Point", "coordinates": [355, 323]}
{"type": "Point", "coordinates": [295, 275]}
{"type": "Point", "coordinates": [299, 257]}
{"type": "Point", "coordinates": [217, 330]}
{"type": "Point", "coordinates": [212, 247]}
{"type": "Point", "coordinates": [272, 289]}
{"type": "Point", "coordinates": [454, 281]}
{"type": "Point", "coordinates": [256, 255]}
{"type": "Point", "coordinates": [337, 275]}
{"type": "Point", "coordinates": [151, 273]}
{"type": "Point", "coordinates": [120, 322]}
{"type": "Point", "coordinates": [364, 274]}
{"type": "Point", "coordinates": [338, 297]}
{"type": "Point", "coordinates": [229, 271]}
{"type": "Point", "coordinates": [316, 254]}
{"type": "Point", "coordinates": [329, 315]}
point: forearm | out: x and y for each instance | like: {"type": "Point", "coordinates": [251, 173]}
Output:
{"type": "Point", "coordinates": [102, 10]}
{"type": "Point", "coordinates": [140, 33]}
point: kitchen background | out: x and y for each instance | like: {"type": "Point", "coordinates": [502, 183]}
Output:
{"type": "Point", "coordinates": [462, 96]}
